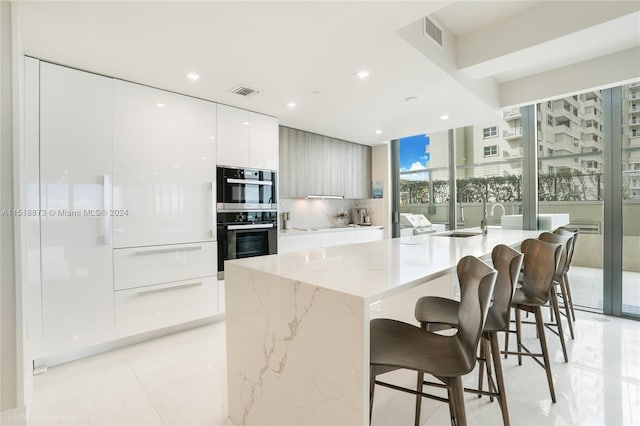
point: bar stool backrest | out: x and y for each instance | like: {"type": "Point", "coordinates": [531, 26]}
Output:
{"type": "Point", "coordinates": [477, 280]}
{"type": "Point", "coordinates": [507, 262]}
{"type": "Point", "coordinates": [566, 242]}
{"type": "Point", "coordinates": [572, 248]}
{"type": "Point", "coordinates": [540, 264]}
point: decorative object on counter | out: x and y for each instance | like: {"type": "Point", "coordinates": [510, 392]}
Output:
{"type": "Point", "coordinates": [342, 217]}
{"type": "Point", "coordinates": [285, 220]}
{"type": "Point", "coordinates": [361, 216]}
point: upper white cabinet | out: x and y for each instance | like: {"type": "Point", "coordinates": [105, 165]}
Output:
{"type": "Point", "coordinates": [233, 136]}
{"type": "Point", "coordinates": [246, 139]}
{"type": "Point", "coordinates": [75, 179]}
{"type": "Point", "coordinates": [263, 141]}
{"type": "Point", "coordinates": [164, 167]}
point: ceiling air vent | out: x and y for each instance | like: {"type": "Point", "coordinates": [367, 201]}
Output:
{"type": "Point", "coordinates": [244, 91]}
{"type": "Point", "coordinates": [433, 31]}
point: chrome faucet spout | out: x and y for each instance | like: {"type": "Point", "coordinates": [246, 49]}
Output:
{"type": "Point", "coordinates": [483, 222]}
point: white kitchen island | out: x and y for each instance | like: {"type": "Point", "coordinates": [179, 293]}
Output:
{"type": "Point", "coordinates": [298, 323]}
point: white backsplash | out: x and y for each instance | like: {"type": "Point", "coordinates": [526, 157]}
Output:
{"type": "Point", "coordinates": [308, 213]}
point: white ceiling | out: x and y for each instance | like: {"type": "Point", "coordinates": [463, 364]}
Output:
{"type": "Point", "coordinates": [306, 52]}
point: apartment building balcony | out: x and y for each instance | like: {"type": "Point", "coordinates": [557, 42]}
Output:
{"type": "Point", "coordinates": [635, 95]}
{"type": "Point", "coordinates": [591, 144]}
{"type": "Point", "coordinates": [634, 141]}
{"type": "Point", "coordinates": [593, 103]}
{"type": "Point", "coordinates": [510, 114]}
{"type": "Point", "coordinates": [634, 108]}
{"type": "Point", "coordinates": [511, 134]}
{"type": "Point", "coordinates": [635, 84]}
{"type": "Point", "coordinates": [634, 121]}
{"type": "Point", "coordinates": [563, 111]}
{"type": "Point", "coordinates": [512, 154]}
{"type": "Point", "coordinates": [592, 96]}
{"type": "Point", "coordinates": [592, 130]}
{"type": "Point", "coordinates": [592, 115]}
{"type": "Point", "coordinates": [572, 131]}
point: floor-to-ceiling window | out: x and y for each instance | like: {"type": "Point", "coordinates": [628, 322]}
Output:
{"type": "Point", "coordinates": [582, 151]}
{"type": "Point", "coordinates": [570, 144]}
{"type": "Point", "coordinates": [630, 146]}
{"type": "Point", "coordinates": [424, 176]}
{"type": "Point", "coordinates": [489, 172]}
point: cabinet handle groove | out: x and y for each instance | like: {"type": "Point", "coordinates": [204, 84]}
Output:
{"type": "Point", "coordinates": [162, 290]}
{"type": "Point", "coordinates": [106, 188]}
{"type": "Point", "coordinates": [168, 250]}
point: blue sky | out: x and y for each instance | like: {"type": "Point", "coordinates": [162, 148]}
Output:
{"type": "Point", "coordinates": [412, 152]}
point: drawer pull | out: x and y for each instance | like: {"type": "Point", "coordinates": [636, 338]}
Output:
{"type": "Point", "coordinates": [168, 250]}
{"type": "Point", "coordinates": [162, 290]}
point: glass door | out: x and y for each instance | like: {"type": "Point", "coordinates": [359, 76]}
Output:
{"type": "Point", "coordinates": [630, 144]}
{"type": "Point", "coordinates": [570, 185]}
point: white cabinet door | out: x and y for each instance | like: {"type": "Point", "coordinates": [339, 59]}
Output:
{"type": "Point", "coordinates": [233, 136]}
{"type": "Point", "coordinates": [75, 172]}
{"type": "Point", "coordinates": [263, 141]}
{"type": "Point", "coordinates": [164, 167]}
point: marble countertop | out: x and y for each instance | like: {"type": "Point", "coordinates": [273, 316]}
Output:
{"type": "Point", "coordinates": [307, 230]}
{"type": "Point", "coordinates": [381, 268]}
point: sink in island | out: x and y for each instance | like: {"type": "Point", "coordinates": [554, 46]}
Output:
{"type": "Point", "coordinates": [298, 323]}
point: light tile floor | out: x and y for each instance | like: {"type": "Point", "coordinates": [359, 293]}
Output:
{"type": "Point", "coordinates": [180, 379]}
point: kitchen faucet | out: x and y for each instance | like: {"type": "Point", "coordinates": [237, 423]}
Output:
{"type": "Point", "coordinates": [483, 222]}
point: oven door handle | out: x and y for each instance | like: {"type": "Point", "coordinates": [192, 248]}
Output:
{"type": "Point", "coordinates": [250, 182]}
{"type": "Point", "coordinates": [257, 226]}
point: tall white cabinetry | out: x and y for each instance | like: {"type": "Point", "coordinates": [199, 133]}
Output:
{"type": "Point", "coordinates": [164, 167]}
{"type": "Point", "coordinates": [127, 182]}
{"type": "Point", "coordinates": [246, 139]}
{"type": "Point", "coordinates": [75, 179]}
{"type": "Point", "coordinates": [164, 171]}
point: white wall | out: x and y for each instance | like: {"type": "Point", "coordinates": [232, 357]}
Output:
{"type": "Point", "coordinates": [380, 209]}
{"type": "Point", "coordinates": [8, 361]}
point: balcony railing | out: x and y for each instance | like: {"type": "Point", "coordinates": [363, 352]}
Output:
{"type": "Point", "coordinates": [634, 141]}
{"type": "Point", "coordinates": [515, 153]}
{"type": "Point", "coordinates": [514, 133]}
{"type": "Point", "coordinates": [511, 114]}
{"type": "Point", "coordinates": [634, 121]}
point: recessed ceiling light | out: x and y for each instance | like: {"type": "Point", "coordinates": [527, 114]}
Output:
{"type": "Point", "coordinates": [362, 74]}
{"type": "Point", "coordinates": [204, 158]}
{"type": "Point", "coordinates": [291, 104]}
{"type": "Point", "coordinates": [444, 117]}
{"type": "Point", "coordinates": [246, 123]}
{"type": "Point", "coordinates": [212, 137]}
{"type": "Point", "coordinates": [193, 76]}
{"type": "Point", "coordinates": [378, 132]}
{"type": "Point", "coordinates": [159, 105]}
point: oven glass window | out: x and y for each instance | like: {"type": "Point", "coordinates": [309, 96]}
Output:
{"type": "Point", "coordinates": [251, 244]}
{"type": "Point", "coordinates": [248, 193]}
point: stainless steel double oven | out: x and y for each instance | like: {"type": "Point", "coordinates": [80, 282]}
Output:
{"type": "Point", "coordinates": [246, 214]}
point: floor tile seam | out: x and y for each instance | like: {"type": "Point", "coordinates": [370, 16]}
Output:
{"type": "Point", "coordinates": [146, 394]}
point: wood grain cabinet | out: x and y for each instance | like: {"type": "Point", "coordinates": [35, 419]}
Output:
{"type": "Point", "coordinates": [312, 164]}
{"type": "Point", "coordinates": [356, 162]}
{"type": "Point", "coordinates": [294, 163]}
